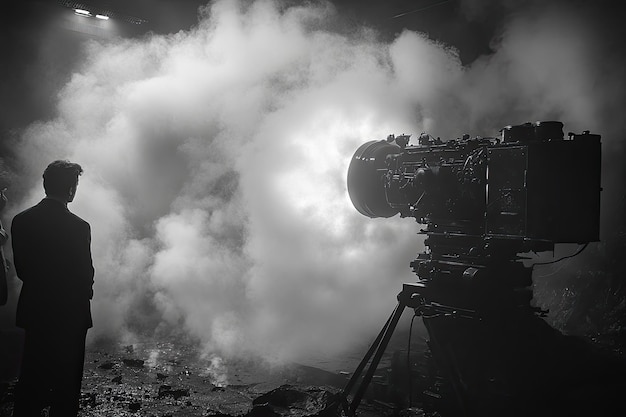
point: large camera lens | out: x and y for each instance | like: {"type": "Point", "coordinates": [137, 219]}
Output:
{"type": "Point", "coordinates": [366, 179]}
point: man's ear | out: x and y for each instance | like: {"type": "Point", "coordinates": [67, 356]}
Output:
{"type": "Point", "coordinates": [72, 193]}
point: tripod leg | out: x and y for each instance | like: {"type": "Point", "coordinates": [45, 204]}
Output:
{"type": "Point", "coordinates": [357, 373]}
{"type": "Point", "coordinates": [380, 350]}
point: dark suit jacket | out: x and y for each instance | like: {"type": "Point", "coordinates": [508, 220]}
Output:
{"type": "Point", "coordinates": [52, 257]}
{"type": "Point", "coordinates": [4, 292]}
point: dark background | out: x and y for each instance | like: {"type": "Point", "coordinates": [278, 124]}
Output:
{"type": "Point", "coordinates": [41, 39]}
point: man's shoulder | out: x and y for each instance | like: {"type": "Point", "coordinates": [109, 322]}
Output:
{"type": "Point", "coordinates": [78, 220]}
{"type": "Point", "coordinates": [46, 210]}
{"type": "Point", "coordinates": [24, 214]}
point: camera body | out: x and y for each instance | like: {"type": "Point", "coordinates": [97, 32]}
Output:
{"type": "Point", "coordinates": [530, 185]}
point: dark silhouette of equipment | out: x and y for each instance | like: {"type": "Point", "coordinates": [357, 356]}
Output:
{"type": "Point", "coordinates": [484, 202]}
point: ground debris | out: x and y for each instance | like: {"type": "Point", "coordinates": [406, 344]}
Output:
{"type": "Point", "coordinates": [214, 413]}
{"type": "Point", "coordinates": [263, 410]}
{"type": "Point", "coordinates": [289, 400]}
{"type": "Point", "coordinates": [88, 400]}
{"type": "Point", "coordinates": [133, 363]}
{"type": "Point", "coordinates": [173, 382]}
{"type": "Point", "coordinates": [107, 365]}
{"type": "Point", "coordinates": [134, 406]}
{"type": "Point", "coordinates": [168, 391]}
{"type": "Point", "coordinates": [7, 397]}
{"type": "Point", "coordinates": [412, 412]}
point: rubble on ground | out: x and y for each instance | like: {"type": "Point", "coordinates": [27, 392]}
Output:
{"type": "Point", "coordinates": [166, 380]}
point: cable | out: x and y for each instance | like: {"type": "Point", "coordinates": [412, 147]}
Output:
{"type": "Point", "coordinates": [408, 363]}
{"type": "Point", "coordinates": [556, 271]}
{"type": "Point", "coordinates": [565, 257]}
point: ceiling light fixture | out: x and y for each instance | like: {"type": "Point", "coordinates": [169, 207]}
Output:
{"type": "Point", "coordinates": [82, 12]}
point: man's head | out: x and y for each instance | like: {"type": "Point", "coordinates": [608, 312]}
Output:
{"type": "Point", "coordinates": [60, 180]}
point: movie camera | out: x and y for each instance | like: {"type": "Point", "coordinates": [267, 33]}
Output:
{"type": "Point", "coordinates": [484, 201]}
{"type": "Point", "coordinates": [529, 185]}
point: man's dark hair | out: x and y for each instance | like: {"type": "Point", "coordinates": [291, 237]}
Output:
{"type": "Point", "coordinates": [60, 176]}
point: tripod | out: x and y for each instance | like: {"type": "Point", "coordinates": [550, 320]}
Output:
{"type": "Point", "coordinates": [411, 296]}
{"type": "Point", "coordinates": [498, 354]}
{"type": "Point", "coordinates": [476, 310]}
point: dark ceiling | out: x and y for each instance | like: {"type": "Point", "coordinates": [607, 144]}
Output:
{"type": "Point", "coordinates": [42, 39]}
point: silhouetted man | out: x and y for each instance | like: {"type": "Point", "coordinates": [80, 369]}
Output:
{"type": "Point", "coordinates": [52, 257]}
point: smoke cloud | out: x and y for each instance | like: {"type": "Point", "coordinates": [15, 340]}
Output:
{"type": "Point", "coordinates": [215, 162]}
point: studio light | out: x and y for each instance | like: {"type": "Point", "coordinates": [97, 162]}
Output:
{"type": "Point", "coordinates": [82, 12]}
{"type": "Point", "coordinates": [90, 10]}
